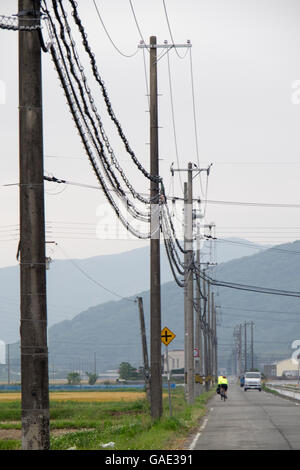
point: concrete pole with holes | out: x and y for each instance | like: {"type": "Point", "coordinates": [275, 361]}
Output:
{"type": "Point", "coordinates": [33, 330]}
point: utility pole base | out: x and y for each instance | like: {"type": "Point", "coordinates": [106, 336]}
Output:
{"type": "Point", "coordinates": [35, 430]}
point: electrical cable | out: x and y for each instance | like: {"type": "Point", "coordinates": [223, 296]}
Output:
{"type": "Point", "coordinates": [72, 103]}
{"type": "Point", "coordinates": [96, 74]}
{"type": "Point", "coordinates": [107, 167]}
{"type": "Point", "coordinates": [173, 119]}
{"type": "Point", "coordinates": [109, 36]}
{"type": "Point", "coordinates": [137, 24]}
{"type": "Point", "coordinates": [92, 279]}
{"type": "Point", "coordinates": [170, 31]}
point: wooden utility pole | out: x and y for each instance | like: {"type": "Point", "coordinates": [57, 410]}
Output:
{"type": "Point", "coordinates": [144, 346]}
{"type": "Point", "coordinates": [155, 302]}
{"type": "Point", "coordinates": [34, 351]}
{"type": "Point", "coordinates": [189, 288]}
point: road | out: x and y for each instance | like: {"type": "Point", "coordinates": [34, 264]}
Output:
{"type": "Point", "coordinates": [249, 420]}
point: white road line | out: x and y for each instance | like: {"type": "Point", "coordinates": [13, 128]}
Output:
{"type": "Point", "coordinates": [193, 444]}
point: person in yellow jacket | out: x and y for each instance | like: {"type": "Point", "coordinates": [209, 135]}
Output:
{"type": "Point", "coordinates": [224, 383]}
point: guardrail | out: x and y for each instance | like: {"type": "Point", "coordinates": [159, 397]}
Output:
{"type": "Point", "coordinates": [287, 391]}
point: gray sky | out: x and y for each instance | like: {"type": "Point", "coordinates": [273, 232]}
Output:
{"type": "Point", "coordinates": [245, 60]}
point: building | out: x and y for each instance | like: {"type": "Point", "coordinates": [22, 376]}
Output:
{"type": "Point", "coordinates": [287, 368]}
{"type": "Point", "coordinates": [176, 360]}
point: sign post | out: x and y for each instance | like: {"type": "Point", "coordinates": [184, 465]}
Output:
{"type": "Point", "coordinates": [166, 337]}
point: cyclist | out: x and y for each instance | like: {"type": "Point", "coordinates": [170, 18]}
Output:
{"type": "Point", "coordinates": [220, 379]}
{"type": "Point", "coordinates": [224, 384]}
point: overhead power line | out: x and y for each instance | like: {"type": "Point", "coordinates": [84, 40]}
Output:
{"type": "Point", "coordinates": [92, 279]}
{"type": "Point", "coordinates": [109, 36]}
{"type": "Point", "coordinates": [137, 24]}
{"type": "Point", "coordinates": [257, 204]}
{"type": "Point", "coordinates": [171, 34]}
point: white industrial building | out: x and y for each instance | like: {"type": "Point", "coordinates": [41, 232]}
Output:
{"type": "Point", "coordinates": [176, 360]}
{"type": "Point", "coordinates": [287, 368]}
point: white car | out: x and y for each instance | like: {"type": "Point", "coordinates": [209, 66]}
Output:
{"type": "Point", "coordinates": [252, 381]}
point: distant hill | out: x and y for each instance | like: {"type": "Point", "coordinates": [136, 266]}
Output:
{"type": "Point", "coordinates": [112, 329]}
{"type": "Point", "coordinates": [70, 292]}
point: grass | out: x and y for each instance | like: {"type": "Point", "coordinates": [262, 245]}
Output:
{"type": "Point", "coordinates": [269, 390]}
{"type": "Point", "coordinates": [93, 425]}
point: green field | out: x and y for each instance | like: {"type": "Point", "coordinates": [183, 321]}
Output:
{"type": "Point", "coordinates": [92, 425]}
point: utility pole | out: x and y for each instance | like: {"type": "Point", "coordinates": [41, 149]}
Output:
{"type": "Point", "coordinates": [240, 350]}
{"type": "Point", "coordinates": [206, 333]}
{"type": "Point", "coordinates": [252, 358]}
{"type": "Point", "coordinates": [95, 363]}
{"type": "Point", "coordinates": [144, 346]}
{"type": "Point", "coordinates": [214, 335]}
{"type": "Point", "coordinates": [155, 298]}
{"type": "Point", "coordinates": [155, 302]}
{"type": "Point", "coordinates": [8, 365]}
{"type": "Point", "coordinates": [34, 350]}
{"type": "Point", "coordinates": [245, 346]}
{"type": "Point", "coordinates": [198, 321]}
{"type": "Point", "coordinates": [189, 288]}
{"type": "Point", "coordinates": [209, 349]}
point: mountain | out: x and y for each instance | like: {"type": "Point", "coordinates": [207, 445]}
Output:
{"type": "Point", "coordinates": [112, 330]}
{"type": "Point", "coordinates": [71, 290]}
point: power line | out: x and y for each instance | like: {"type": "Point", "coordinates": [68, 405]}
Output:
{"type": "Point", "coordinates": [170, 31]}
{"type": "Point", "coordinates": [92, 279]}
{"type": "Point", "coordinates": [255, 204]}
{"type": "Point", "coordinates": [255, 246]}
{"type": "Point", "coordinates": [173, 119]}
{"type": "Point", "coordinates": [109, 36]}
{"type": "Point", "coordinates": [260, 311]}
{"type": "Point", "coordinates": [137, 24]}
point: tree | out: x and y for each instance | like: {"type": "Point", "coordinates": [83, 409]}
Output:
{"type": "Point", "coordinates": [128, 372]}
{"type": "Point", "coordinates": [92, 378]}
{"type": "Point", "coordinates": [73, 378]}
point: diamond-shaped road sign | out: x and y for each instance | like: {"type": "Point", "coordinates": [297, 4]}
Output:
{"type": "Point", "coordinates": [167, 336]}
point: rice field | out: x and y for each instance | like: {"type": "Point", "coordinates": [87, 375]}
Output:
{"type": "Point", "coordinates": [90, 420]}
{"type": "Point", "coordinates": [82, 396]}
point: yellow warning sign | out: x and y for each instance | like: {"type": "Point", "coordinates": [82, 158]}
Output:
{"type": "Point", "coordinates": [167, 336]}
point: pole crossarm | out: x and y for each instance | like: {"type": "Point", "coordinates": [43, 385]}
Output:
{"type": "Point", "coordinates": [166, 45]}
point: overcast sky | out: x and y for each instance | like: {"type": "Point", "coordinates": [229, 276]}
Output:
{"type": "Point", "coordinates": [245, 61]}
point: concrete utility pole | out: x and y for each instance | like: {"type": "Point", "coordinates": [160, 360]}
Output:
{"type": "Point", "coordinates": [214, 335]}
{"type": "Point", "coordinates": [198, 321]}
{"type": "Point", "coordinates": [252, 358]}
{"type": "Point", "coordinates": [240, 350]}
{"type": "Point", "coordinates": [209, 334]}
{"type": "Point", "coordinates": [155, 298]}
{"type": "Point", "coordinates": [155, 302]}
{"type": "Point", "coordinates": [8, 365]}
{"type": "Point", "coordinates": [189, 288]}
{"type": "Point", "coordinates": [245, 346]}
{"type": "Point", "coordinates": [95, 363]}
{"type": "Point", "coordinates": [144, 346]}
{"type": "Point", "coordinates": [206, 336]}
{"type": "Point", "coordinates": [34, 351]}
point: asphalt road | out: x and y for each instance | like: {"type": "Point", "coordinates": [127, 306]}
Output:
{"type": "Point", "coordinates": [249, 420]}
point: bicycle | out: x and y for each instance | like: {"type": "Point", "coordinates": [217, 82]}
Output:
{"type": "Point", "coordinates": [223, 394]}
